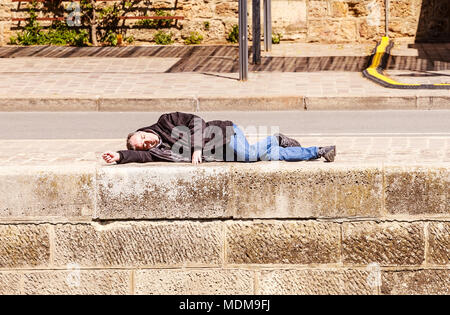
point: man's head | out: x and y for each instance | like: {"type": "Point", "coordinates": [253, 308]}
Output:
{"type": "Point", "coordinates": [142, 141]}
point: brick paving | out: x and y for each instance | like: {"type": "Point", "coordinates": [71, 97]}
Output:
{"type": "Point", "coordinates": [361, 151]}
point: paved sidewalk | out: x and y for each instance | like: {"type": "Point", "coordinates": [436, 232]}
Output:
{"type": "Point", "coordinates": [358, 151]}
{"type": "Point", "coordinates": [135, 78]}
{"type": "Point", "coordinates": [183, 77]}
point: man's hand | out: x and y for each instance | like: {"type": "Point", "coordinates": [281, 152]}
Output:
{"type": "Point", "coordinates": [197, 157]}
{"type": "Point", "coordinates": [111, 157]}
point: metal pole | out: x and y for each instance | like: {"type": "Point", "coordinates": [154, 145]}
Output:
{"type": "Point", "coordinates": [267, 25]}
{"type": "Point", "coordinates": [243, 43]}
{"type": "Point", "coordinates": [256, 21]}
{"type": "Point", "coordinates": [387, 18]}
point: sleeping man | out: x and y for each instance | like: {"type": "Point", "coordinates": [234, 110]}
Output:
{"type": "Point", "coordinates": [183, 137]}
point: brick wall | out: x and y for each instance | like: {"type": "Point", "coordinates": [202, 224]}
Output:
{"type": "Point", "coordinates": [225, 229]}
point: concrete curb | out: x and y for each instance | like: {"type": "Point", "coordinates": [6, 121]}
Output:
{"type": "Point", "coordinates": [193, 104]}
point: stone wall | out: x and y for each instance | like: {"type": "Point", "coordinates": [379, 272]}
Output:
{"type": "Point", "coordinates": [225, 229]}
{"type": "Point", "coordinates": [324, 21]}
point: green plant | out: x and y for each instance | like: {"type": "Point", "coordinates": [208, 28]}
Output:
{"type": "Point", "coordinates": [31, 35]}
{"type": "Point", "coordinates": [111, 38]}
{"type": "Point", "coordinates": [58, 34]}
{"type": "Point", "coordinates": [158, 23]}
{"type": "Point", "coordinates": [163, 38]}
{"type": "Point", "coordinates": [129, 39]}
{"type": "Point", "coordinates": [194, 38]}
{"type": "Point", "coordinates": [206, 25]}
{"type": "Point", "coordinates": [61, 34]}
{"type": "Point", "coordinates": [276, 38]}
{"type": "Point", "coordinates": [233, 36]}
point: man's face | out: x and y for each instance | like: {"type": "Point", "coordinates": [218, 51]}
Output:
{"type": "Point", "coordinates": [144, 141]}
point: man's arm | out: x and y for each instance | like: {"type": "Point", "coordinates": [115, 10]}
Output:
{"type": "Point", "coordinates": [127, 156]}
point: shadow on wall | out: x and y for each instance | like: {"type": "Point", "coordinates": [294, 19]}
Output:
{"type": "Point", "coordinates": [434, 21]}
{"type": "Point", "coordinates": [433, 34]}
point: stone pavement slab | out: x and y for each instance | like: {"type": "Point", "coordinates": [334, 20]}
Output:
{"type": "Point", "coordinates": [382, 150]}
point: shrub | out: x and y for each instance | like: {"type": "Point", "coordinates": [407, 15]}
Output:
{"type": "Point", "coordinates": [163, 38]}
{"type": "Point", "coordinates": [129, 39]}
{"type": "Point", "coordinates": [112, 38]}
{"type": "Point", "coordinates": [233, 36]}
{"type": "Point", "coordinates": [206, 25]}
{"type": "Point", "coordinates": [193, 39]}
{"type": "Point", "coordinates": [58, 34]}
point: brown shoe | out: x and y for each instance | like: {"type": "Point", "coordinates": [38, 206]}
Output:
{"type": "Point", "coordinates": [328, 153]}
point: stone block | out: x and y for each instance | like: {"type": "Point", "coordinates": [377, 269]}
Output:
{"type": "Point", "coordinates": [370, 32]}
{"type": "Point", "coordinates": [365, 8]}
{"type": "Point", "coordinates": [314, 282]}
{"type": "Point", "coordinates": [440, 102]}
{"type": "Point", "coordinates": [386, 244]}
{"type": "Point", "coordinates": [288, 15]}
{"type": "Point", "coordinates": [215, 32]}
{"type": "Point", "coordinates": [439, 243]}
{"type": "Point", "coordinates": [62, 192]}
{"type": "Point", "coordinates": [226, 9]}
{"type": "Point", "coordinates": [5, 31]}
{"type": "Point", "coordinates": [137, 244]}
{"type": "Point", "coordinates": [158, 191]}
{"type": "Point", "coordinates": [339, 9]}
{"type": "Point", "coordinates": [84, 282]}
{"type": "Point", "coordinates": [329, 31]}
{"type": "Point", "coordinates": [23, 246]}
{"type": "Point", "coordinates": [146, 104]}
{"type": "Point", "coordinates": [280, 189]}
{"type": "Point", "coordinates": [251, 103]}
{"type": "Point", "coordinates": [417, 191]}
{"type": "Point", "coordinates": [282, 242]}
{"type": "Point", "coordinates": [48, 104]}
{"type": "Point", "coordinates": [401, 8]}
{"type": "Point", "coordinates": [402, 27]}
{"type": "Point", "coordinates": [317, 8]}
{"type": "Point", "coordinates": [9, 283]}
{"type": "Point", "coordinates": [194, 282]}
{"type": "Point", "coordinates": [416, 282]}
{"type": "Point", "coordinates": [361, 103]}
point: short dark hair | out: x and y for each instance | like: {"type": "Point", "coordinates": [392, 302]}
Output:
{"type": "Point", "coordinates": [129, 145]}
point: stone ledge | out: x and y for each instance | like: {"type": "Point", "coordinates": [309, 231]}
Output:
{"type": "Point", "coordinates": [223, 191]}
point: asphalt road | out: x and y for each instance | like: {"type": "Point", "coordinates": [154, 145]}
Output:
{"type": "Point", "coordinates": [85, 125]}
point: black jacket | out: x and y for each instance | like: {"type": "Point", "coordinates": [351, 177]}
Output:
{"type": "Point", "coordinates": [181, 135]}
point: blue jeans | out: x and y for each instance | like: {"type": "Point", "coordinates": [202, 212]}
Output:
{"type": "Point", "coordinates": [267, 149]}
